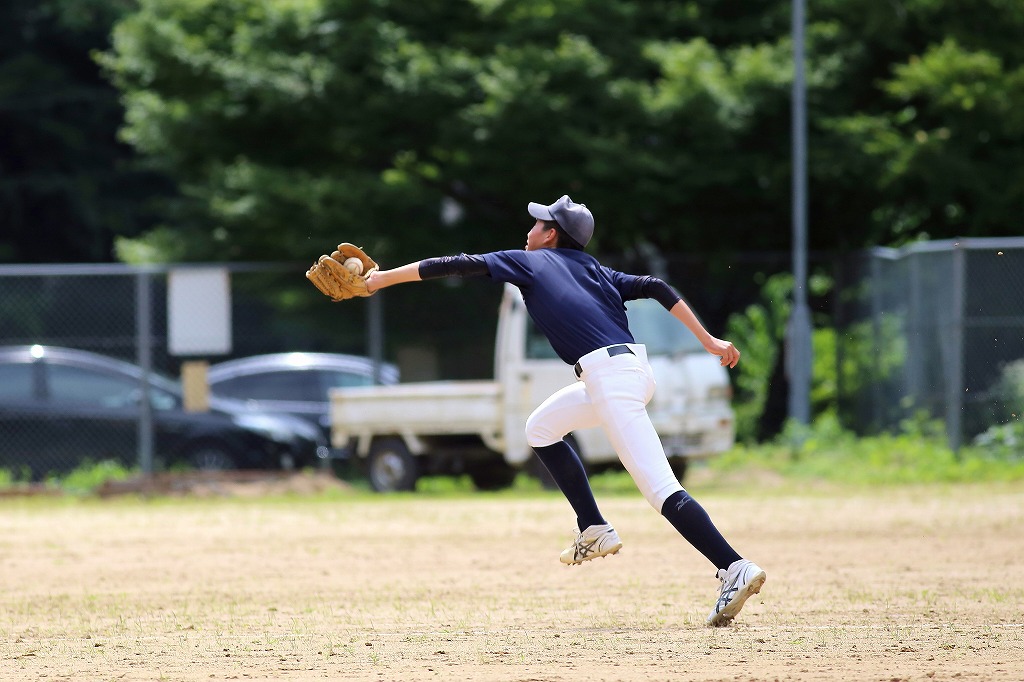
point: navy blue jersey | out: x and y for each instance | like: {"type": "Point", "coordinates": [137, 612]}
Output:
{"type": "Point", "coordinates": [574, 300]}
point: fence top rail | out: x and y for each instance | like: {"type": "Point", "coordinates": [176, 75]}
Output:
{"type": "Point", "coordinates": [942, 245]}
{"type": "Point", "coordinates": [36, 269]}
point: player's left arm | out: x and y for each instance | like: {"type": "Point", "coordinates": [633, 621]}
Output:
{"type": "Point", "coordinates": [653, 287]}
{"type": "Point", "coordinates": [430, 268]}
{"type": "Point", "coordinates": [380, 279]}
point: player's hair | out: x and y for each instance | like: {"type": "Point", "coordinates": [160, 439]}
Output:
{"type": "Point", "coordinates": [564, 241]}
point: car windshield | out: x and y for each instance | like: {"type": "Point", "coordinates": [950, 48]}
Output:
{"type": "Point", "coordinates": [650, 323]}
{"type": "Point", "coordinates": [84, 385]}
{"type": "Point", "coordinates": [16, 381]}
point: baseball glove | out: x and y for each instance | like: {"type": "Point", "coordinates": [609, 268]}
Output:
{"type": "Point", "coordinates": [330, 275]}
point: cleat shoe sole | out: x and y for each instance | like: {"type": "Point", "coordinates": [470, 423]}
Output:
{"type": "Point", "coordinates": [725, 616]}
{"type": "Point", "coordinates": [614, 549]}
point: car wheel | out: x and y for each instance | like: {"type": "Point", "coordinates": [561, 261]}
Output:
{"type": "Point", "coordinates": [391, 467]}
{"type": "Point", "coordinates": [210, 458]}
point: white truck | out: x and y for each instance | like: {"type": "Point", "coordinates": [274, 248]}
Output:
{"type": "Point", "coordinates": [404, 431]}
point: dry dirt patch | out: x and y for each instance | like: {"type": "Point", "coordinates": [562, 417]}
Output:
{"type": "Point", "coordinates": [904, 584]}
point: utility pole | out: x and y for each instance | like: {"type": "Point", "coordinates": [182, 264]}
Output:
{"type": "Point", "coordinates": [798, 332]}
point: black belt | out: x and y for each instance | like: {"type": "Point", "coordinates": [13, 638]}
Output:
{"type": "Point", "coordinates": [612, 352]}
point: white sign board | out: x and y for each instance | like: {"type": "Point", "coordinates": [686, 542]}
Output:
{"type": "Point", "coordinates": [199, 311]}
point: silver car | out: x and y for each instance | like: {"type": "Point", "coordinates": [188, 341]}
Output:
{"type": "Point", "coordinates": [297, 383]}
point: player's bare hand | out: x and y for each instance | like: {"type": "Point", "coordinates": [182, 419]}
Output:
{"type": "Point", "coordinates": [729, 354]}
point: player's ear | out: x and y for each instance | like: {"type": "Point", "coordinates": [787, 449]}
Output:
{"type": "Point", "coordinates": [550, 236]}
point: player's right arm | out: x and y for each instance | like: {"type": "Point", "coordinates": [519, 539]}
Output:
{"type": "Point", "coordinates": [725, 350]}
{"type": "Point", "coordinates": [646, 286]}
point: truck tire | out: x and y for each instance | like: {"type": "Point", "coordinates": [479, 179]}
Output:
{"type": "Point", "coordinates": [679, 466]}
{"type": "Point", "coordinates": [537, 469]}
{"type": "Point", "coordinates": [492, 476]}
{"type": "Point", "coordinates": [391, 467]}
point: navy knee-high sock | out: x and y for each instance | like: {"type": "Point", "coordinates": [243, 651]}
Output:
{"type": "Point", "coordinates": [567, 470]}
{"type": "Point", "coordinates": [694, 524]}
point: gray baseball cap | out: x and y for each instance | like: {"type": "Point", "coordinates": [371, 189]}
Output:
{"type": "Point", "coordinates": [576, 219]}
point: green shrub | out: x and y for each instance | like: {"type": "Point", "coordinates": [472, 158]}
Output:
{"type": "Point", "coordinates": [87, 476]}
{"type": "Point", "coordinates": [917, 454]}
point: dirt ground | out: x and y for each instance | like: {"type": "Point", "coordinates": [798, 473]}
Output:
{"type": "Point", "coordinates": [900, 584]}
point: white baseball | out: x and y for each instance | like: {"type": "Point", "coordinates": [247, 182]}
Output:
{"type": "Point", "coordinates": [354, 265]}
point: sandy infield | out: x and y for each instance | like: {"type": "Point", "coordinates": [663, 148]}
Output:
{"type": "Point", "coordinates": [900, 584]}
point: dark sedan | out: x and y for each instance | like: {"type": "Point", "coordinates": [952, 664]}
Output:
{"type": "Point", "coordinates": [62, 406]}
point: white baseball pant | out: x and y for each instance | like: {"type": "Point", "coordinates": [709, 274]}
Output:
{"type": "Point", "coordinates": [611, 392]}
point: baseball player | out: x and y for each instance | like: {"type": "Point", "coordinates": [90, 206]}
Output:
{"type": "Point", "coordinates": [578, 304]}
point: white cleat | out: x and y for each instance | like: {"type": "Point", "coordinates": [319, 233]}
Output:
{"type": "Point", "coordinates": [742, 579]}
{"type": "Point", "coordinates": [591, 543]}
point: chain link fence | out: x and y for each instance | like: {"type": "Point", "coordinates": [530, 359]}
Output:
{"type": "Point", "coordinates": [86, 372]}
{"type": "Point", "coordinates": [934, 330]}
{"type": "Point", "coordinates": [442, 331]}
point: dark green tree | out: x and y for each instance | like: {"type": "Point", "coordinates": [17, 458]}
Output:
{"type": "Point", "coordinates": [428, 125]}
{"type": "Point", "coordinates": [67, 185]}
{"type": "Point", "coordinates": [420, 126]}
{"type": "Point", "coordinates": [919, 134]}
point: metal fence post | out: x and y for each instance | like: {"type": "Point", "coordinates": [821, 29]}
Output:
{"type": "Point", "coordinates": [144, 354]}
{"type": "Point", "coordinates": [839, 320]}
{"type": "Point", "coordinates": [875, 265]}
{"type": "Point", "coordinates": [955, 384]}
{"type": "Point", "coordinates": [915, 331]}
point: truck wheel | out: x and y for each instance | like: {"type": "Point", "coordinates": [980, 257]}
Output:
{"type": "Point", "coordinates": [391, 467]}
{"type": "Point", "coordinates": [679, 465]}
{"type": "Point", "coordinates": [537, 469]}
{"type": "Point", "coordinates": [492, 476]}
